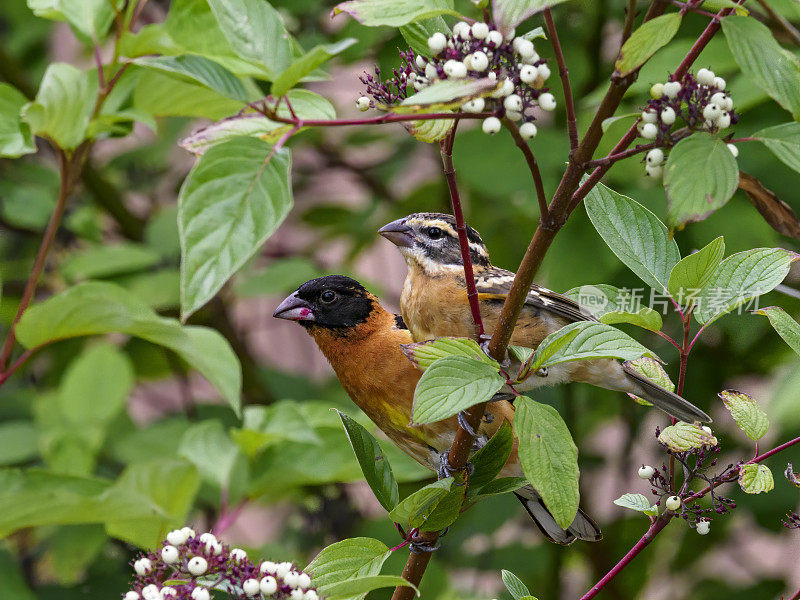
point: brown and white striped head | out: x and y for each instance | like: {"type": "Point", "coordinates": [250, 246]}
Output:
{"type": "Point", "coordinates": [431, 241]}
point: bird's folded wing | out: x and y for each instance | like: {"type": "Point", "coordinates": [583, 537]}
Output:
{"type": "Point", "coordinates": [494, 284]}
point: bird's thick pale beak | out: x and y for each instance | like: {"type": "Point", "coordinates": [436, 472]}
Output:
{"type": "Point", "coordinates": [294, 309]}
{"type": "Point", "coordinates": [398, 233]}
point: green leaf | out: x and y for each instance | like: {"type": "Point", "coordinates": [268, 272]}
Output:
{"type": "Point", "coordinates": [376, 468]}
{"type": "Point", "coordinates": [265, 426]}
{"type": "Point", "coordinates": [637, 502]}
{"type": "Point", "coordinates": [785, 325]}
{"type": "Point", "coordinates": [198, 69]}
{"type": "Point", "coordinates": [746, 412]}
{"type": "Point", "coordinates": [36, 497]}
{"type": "Point", "coordinates": [73, 548]}
{"type": "Point", "coordinates": [754, 479]}
{"type": "Point", "coordinates": [720, 4]}
{"type": "Point", "coordinates": [490, 460]}
{"type": "Point", "coordinates": [232, 201]}
{"type": "Point", "coordinates": [445, 94]}
{"type": "Point", "coordinates": [413, 510]}
{"type": "Point", "coordinates": [15, 134]}
{"type": "Point", "coordinates": [634, 234]}
{"type": "Point", "coordinates": [429, 130]}
{"type": "Point", "coordinates": [742, 277]}
{"type": "Point", "coordinates": [255, 31]}
{"type": "Point", "coordinates": [510, 13]}
{"type": "Point", "coordinates": [63, 105]}
{"type": "Point", "coordinates": [307, 105]}
{"type": "Point", "coordinates": [394, 12]}
{"type": "Point", "coordinates": [549, 457]}
{"type": "Point", "coordinates": [304, 65]}
{"type": "Point", "coordinates": [784, 142]}
{"type": "Point", "coordinates": [447, 510]}
{"type": "Point", "coordinates": [632, 116]}
{"type": "Point", "coordinates": [416, 34]}
{"type": "Point", "coordinates": [612, 305]}
{"type": "Point", "coordinates": [686, 436]}
{"type": "Point", "coordinates": [424, 354]}
{"type": "Point", "coordinates": [452, 384]}
{"type": "Point", "coordinates": [347, 560]}
{"type": "Point", "coordinates": [773, 69]}
{"type": "Point", "coordinates": [693, 272]}
{"type": "Point", "coordinates": [581, 341]}
{"type": "Point", "coordinates": [162, 95]}
{"type": "Point", "coordinates": [514, 585]}
{"type": "Point", "coordinates": [645, 41]}
{"type": "Point", "coordinates": [170, 485]}
{"type": "Point", "coordinates": [700, 177]}
{"type": "Point", "coordinates": [280, 276]}
{"type": "Point", "coordinates": [363, 585]}
{"type": "Point", "coordinates": [209, 447]}
{"type": "Point", "coordinates": [95, 308]}
{"type": "Point", "coordinates": [17, 442]}
{"type": "Point", "coordinates": [653, 370]}
{"type": "Point", "coordinates": [92, 18]}
{"type": "Point", "coordinates": [101, 261]}
{"type": "Point", "coordinates": [501, 485]}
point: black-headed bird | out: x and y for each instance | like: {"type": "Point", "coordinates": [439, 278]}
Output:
{"type": "Point", "coordinates": [434, 304]}
{"type": "Point", "coordinates": [362, 341]}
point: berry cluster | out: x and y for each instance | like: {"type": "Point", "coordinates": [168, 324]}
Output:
{"type": "Point", "coordinates": [194, 565]}
{"type": "Point", "coordinates": [699, 101]}
{"type": "Point", "coordinates": [473, 52]}
{"type": "Point", "coordinates": [694, 466]}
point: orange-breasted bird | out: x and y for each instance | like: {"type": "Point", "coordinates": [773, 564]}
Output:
{"type": "Point", "coordinates": [362, 341]}
{"type": "Point", "coordinates": [434, 304]}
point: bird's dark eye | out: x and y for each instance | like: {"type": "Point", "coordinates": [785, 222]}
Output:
{"type": "Point", "coordinates": [327, 296]}
{"type": "Point", "coordinates": [434, 233]}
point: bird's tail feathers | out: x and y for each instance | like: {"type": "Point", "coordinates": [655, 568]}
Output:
{"type": "Point", "coordinates": [671, 403]}
{"type": "Point", "coordinates": [582, 528]}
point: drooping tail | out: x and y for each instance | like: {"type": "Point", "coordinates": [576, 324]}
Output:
{"type": "Point", "coordinates": [669, 402]}
{"type": "Point", "coordinates": [582, 528]}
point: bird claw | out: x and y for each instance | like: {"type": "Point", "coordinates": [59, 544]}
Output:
{"type": "Point", "coordinates": [420, 547]}
{"type": "Point", "coordinates": [483, 342]}
{"type": "Point", "coordinates": [464, 424]}
{"type": "Point", "coordinates": [445, 470]}
{"type": "Point", "coordinates": [543, 372]}
{"type": "Point", "coordinates": [478, 440]}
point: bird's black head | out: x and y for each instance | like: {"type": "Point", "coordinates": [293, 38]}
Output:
{"type": "Point", "coordinates": [431, 240]}
{"type": "Point", "coordinates": [333, 302]}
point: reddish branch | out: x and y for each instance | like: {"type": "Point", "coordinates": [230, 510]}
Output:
{"type": "Point", "coordinates": [572, 123]}
{"type": "Point", "coordinates": [533, 166]}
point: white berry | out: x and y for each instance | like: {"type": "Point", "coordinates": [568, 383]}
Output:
{"type": "Point", "coordinates": [131, 596]}
{"type": "Point", "coordinates": [362, 103]}
{"type": "Point", "coordinates": [734, 150]}
{"type": "Point", "coordinates": [281, 569]}
{"type": "Point", "coordinates": [479, 61]}
{"type": "Point", "coordinates": [723, 121]}
{"type": "Point", "coordinates": [177, 537]}
{"type": "Point", "coordinates": [703, 527]}
{"type": "Point", "coordinates": [268, 567]}
{"type": "Point", "coordinates": [473, 106]}
{"type": "Point", "coordinates": [727, 104]}
{"type": "Point", "coordinates": [672, 89]}
{"type": "Point", "coordinates": [711, 111]}
{"type": "Point", "coordinates": [649, 131]}
{"type": "Point", "coordinates": [491, 125]}
{"type": "Point", "coordinates": [528, 130]}
{"type": "Point", "coordinates": [646, 472]}
{"type": "Point", "coordinates": [480, 30]}
{"type": "Point", "coordinates": [437, 42]}
{"type": "Point", "coordinates": [505, 88]}
{"type": "Point", "coordinates": [268, 585]}
{"type": "Point", "coordinates": [292, 579]}
{"type": "Point", "coordinates": [513, 102]}
{"type": "Point", "coordinates": [513, 115]}
{"type": "Point", "coordinates": [168, 592]}
{"type": "Point", "coordinates": [718, 98]}
{"type": "Point", "coordinates": [200, 593]}
{"type": "Point", "coordinates": [420, 60]}
{"type": "Point", "coordinates": [673, 503]}
{"type": "Point", "coordinates": [142, 566]}
{"type": "Point", "coordinates": [657, 91]}
{"type": "Point", "coordinates": [494, 37]}
{"type": "Point", "coordinates": [170, 554]}
{"type": "Point", "coordinates": [649, 116]}
{"type": "Point", "coordinates": [304, 581]}
{"type": "Point", "coordinates": [238, 555]}
{"type": "Point", "coordinates": [544, 71]}
{"type": "Point", "coordinates": [653, 171]}
{"type": "Point", "coordinates": [705, 77]}
{"type": "Point", "coordinates": [188, 532]}
{"type": "Point", "coordinates": [207, 537]}
{"type": "Point", "coordinates": [251, 587]}
{"type": "Point", "coordinates": [296, 595]}
{"type": "Point", "coordinates": [655, 157]}
{"type": "Point", "coordinates": [151, 592]}
{"type": "Point", "coordinates": [668, 115]}
{"type": "Point", "coordinates": [197, 565]}
{"type": "Point", "coordinates": [547, 101]}
{"type": "Point", "coordinates": [461, 30]}
{"type": "Point", "coordinates": [510, 35]}
{"type": "Point", "coordinates": [524, 47]}
{"type": "Point", "coordinates": [455, 69]}
{"type": "Point", "coordinates": [720, 83]}
{"type": "Point", "coordinates": [310, 595]}
{"type": "Point", "coordinates": [528, 73]}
